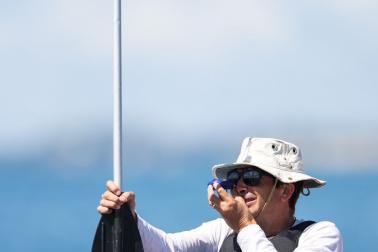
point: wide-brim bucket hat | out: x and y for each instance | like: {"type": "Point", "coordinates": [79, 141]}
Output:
{"type": "Point", "coordinates": [279, 158]}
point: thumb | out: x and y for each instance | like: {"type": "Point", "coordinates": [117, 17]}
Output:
{"type": "Point", "coordinates": [240, 200]}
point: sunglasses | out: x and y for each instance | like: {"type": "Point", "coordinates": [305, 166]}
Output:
{"type": "Point", "coordinates": [250, 177]}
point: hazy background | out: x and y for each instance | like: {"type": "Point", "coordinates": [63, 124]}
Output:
{"type": "Point", "coordinates": [199, 76]}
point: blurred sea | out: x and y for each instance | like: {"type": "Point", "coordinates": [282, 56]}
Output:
{"type": "Point", "coordinates": [50, 209]}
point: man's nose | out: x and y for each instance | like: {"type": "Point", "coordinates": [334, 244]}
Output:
{"type": "Point", "coordinates": [241, 188]}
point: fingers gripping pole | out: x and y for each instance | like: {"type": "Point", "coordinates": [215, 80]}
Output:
{"type": "Point", "coordinates": [117, 96]}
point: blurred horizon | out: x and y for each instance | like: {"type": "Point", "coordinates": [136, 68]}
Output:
{"type": "Point", "coordinates": [56, 210]}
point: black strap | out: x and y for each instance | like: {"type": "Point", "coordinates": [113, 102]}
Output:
{"type": "Point", "coordinates": [285, 241]}
{"type": "Point", "coordinates": [230, 244]}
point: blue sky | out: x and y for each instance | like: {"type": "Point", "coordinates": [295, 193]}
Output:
{"type": "Point", "coordinates": [301, 71]}
{"type": "Point", "coordinates": [199, 76]}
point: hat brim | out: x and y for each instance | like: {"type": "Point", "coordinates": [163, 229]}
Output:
{"type": "Point", "coordinates": [220, 171]}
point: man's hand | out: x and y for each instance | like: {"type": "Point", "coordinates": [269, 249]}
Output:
{"type": "Point", "coordinates": [233, 209]}
{"type": "Point", "coordinates": [113, 198]}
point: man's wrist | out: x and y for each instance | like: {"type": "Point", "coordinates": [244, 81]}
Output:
{"type": "Point", "coordinates": [246, 224]}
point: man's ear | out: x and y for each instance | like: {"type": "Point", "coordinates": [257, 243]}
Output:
{"type": "Point", "coordinates": [287, 191]}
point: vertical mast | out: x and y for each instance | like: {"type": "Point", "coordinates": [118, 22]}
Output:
{"type": "Point", "coordinates": [117, 95]}
{"type": "Point", "coordinates": [117, 229]}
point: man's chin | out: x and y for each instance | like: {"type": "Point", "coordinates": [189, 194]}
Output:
{"type": "Point", "coordinates": [254, 210]}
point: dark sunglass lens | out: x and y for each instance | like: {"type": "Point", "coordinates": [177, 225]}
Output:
{"type": "Point", "coordinates": [234, 175]}
{"type": "Point", "coordinates": [251, 178]}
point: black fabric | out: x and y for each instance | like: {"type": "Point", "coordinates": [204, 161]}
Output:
{"type": "Point", "coordinates": [285, 241]}
{"type": "Point", "coordinates": [121, 226]}
{"type": "Point", "coordinates": [230, 244]}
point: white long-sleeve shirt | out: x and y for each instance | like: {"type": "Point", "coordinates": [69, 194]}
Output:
{"type": "Point", "coordinates": [319, 237]}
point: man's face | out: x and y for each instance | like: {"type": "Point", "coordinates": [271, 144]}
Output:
{"type": "Point", "coordinates": [254, 196]}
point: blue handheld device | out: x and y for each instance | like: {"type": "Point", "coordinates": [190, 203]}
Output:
{"type": "Point", "coordinates": [226, 184]}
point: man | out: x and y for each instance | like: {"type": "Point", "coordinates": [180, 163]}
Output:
{"type": "Point", "coordinates": [258, 213]}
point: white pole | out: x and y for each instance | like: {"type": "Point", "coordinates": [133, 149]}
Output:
{"type": "Point", "coordinates": [117, 95]}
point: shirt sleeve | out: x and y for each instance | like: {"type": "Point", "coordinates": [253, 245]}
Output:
{"type": "Point", "coordinates": [206, 237]}
{"type": "Point", "coordinates": [320, 237]}
{"type": "Point", "coordinates": [252, 238]}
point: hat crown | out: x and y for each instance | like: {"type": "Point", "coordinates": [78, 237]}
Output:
{"type": "Point", "coordinates": [272, 153]}
{"type": "Point", "coordinates": [281, 159]}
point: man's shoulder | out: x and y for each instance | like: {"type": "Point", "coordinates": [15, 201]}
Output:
{"type": "Point", "coordinates": [322, 233]}
{"type": "Point", "coordinates": [321, 226]}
